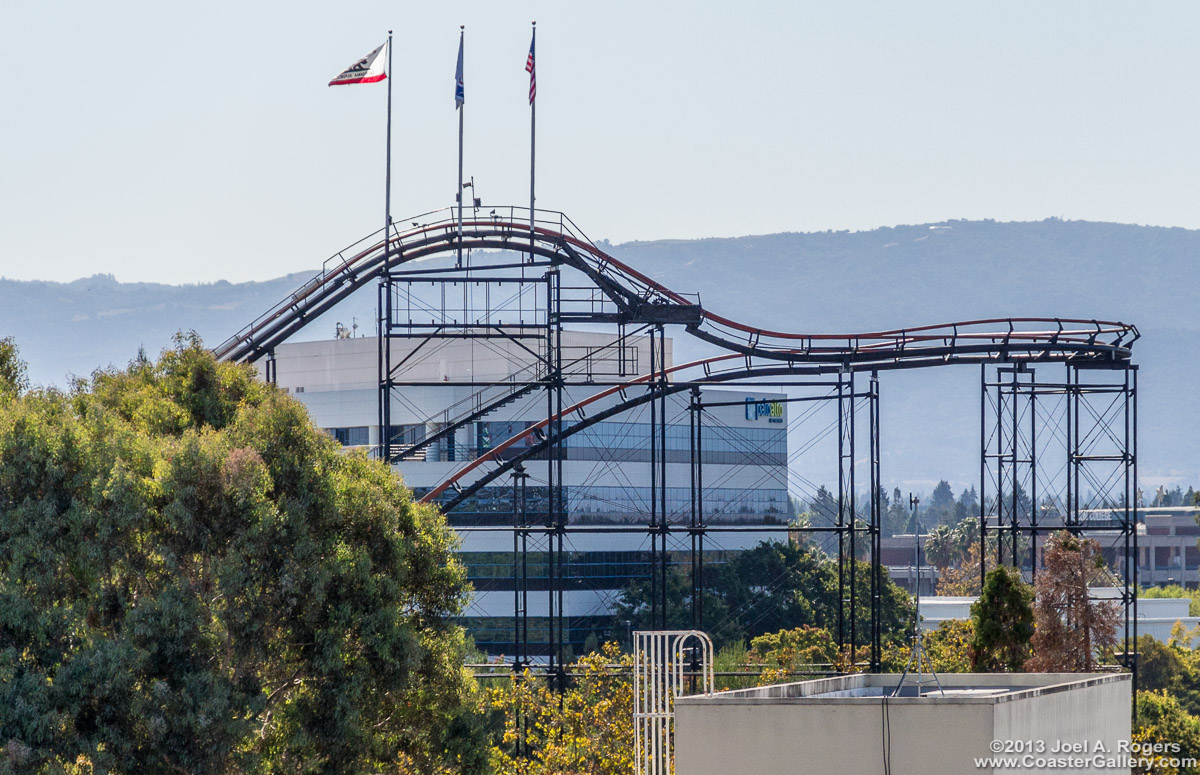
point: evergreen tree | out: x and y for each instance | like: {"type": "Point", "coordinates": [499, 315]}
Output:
{"type": "Point", "coordinates": [1003, 622]}
{"type": "Point", "coordinates": [824, 507]}
{"type": "Point", "coordinates": [968, 504]}
{"type": "Point", "coordinates": [885, 529]}
{"type": "Point", "coordinates": [895, 517]}
{"type": "Point", "coordinates": [1176, 496]}
{"type": "Point", "coordinates": [940, 509]}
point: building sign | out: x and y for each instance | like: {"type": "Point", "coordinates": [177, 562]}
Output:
{"type": "Point", "coordinates": [756, 408]}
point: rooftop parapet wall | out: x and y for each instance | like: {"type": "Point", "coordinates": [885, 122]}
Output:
{"type": "Point", "coordinates": [841, 724]}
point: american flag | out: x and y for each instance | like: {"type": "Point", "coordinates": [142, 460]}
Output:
{"type": "Point", "coordinates": [529, 69]}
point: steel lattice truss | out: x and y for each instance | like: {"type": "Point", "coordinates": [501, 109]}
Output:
{"type": "Point", "coordinates": [1069, 445]}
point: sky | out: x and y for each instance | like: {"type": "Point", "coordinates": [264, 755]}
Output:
{"type": "Point", "coordinates": [187, 143]}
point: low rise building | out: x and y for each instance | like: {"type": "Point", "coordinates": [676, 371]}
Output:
{"type": "Point", "coordinates": [1156, 617]}
{"type": "Point", "coordinates": [1167, 549]}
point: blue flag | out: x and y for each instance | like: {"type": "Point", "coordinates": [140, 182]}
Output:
{"type": "Point", "coordinates": [459, 95]}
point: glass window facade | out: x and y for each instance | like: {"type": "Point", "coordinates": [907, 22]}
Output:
{"type": "Point", "coordinates": [494, 571]}
{"type": "Point", "coordinates": [750, 453]}
{"type": "Point", "coordinates": [356, 436]}
{"type": "Point", "coordinates": [630, 442]}
{"type": "Point", "coordinates": [611, 504]}
{"type": "Point", "coordinates": [604, 570]}
{"type": "Point", "coordinates": [489, 434]}
{"type": "Point", "coordinates": [615, 442]}
{"type": "Point", "coordinates": [719, 504]}
{"type": "Point", "coordinates": [494, 634]}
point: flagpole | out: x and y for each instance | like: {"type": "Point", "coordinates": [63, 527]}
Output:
{"type": "Point", "coordinates": [532, 145]}
{"type": "Point", "coordinates": [372, 69]}
{"type": "Point", "coordinates": [387, 194]}
{"type": "Point", "coordinates": [461, 104]}
{"type": "Point", "coordinates": [385, 394]}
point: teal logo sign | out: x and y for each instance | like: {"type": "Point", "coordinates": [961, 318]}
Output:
{"type": "Point", "coordinates": [756, 408]}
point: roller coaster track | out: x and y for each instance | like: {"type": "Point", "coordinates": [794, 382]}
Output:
{"type": "Point", "coordinates": [637, 299]}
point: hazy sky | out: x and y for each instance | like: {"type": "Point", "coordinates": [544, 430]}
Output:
{"type": "Point", "coordinates": [194, 142]}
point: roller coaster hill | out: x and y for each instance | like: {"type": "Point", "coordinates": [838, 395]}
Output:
{"type": "Point", "coordinates": [522, 380]}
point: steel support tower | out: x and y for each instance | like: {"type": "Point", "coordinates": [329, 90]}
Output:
{"type": "Point", "coordinates": [1061, 455]}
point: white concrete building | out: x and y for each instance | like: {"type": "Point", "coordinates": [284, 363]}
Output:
{"type": "Point", "coordinates": [1030, 723]}
{"type": "Point", "coordinates": [1155, 616]}
{"type": "Point", "coordinates": [606, 467]}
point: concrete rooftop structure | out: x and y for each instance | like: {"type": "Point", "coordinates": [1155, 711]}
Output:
{"type": "Point", "coordinates": [850, 724]}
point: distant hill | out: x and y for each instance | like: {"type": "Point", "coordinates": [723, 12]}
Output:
{"type": "Point", "coordinates": [818, 282]}
{"type": "Point", "coordinates": [892, 277]}
{"type": "Point", "coordinates": [959, 270]}
{"type": "Point", "coordinates": [77, 327]}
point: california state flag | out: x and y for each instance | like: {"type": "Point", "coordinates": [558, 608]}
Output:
{"type": "Point", "coordinates": [370, 69]}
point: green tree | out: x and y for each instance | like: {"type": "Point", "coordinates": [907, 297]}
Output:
{"type": "Point", "coordinates": [824, 507]}
{"type": "Point", "coordinates": [193, 579]}
{"type": "Point", "coordinates": [783, 654]}
{"type": "Point", "coordinates": [1161, 720]}
{"type": "Point", "coordinates": [12, 370]}
{"type": "Point", "coordinates": [771, 587]}
{"type": "Point", "coordinates": [586, 730]}
{"type": "Point", "coordinates": [896, 610]}
{"type": "Point", "coordinates": [1003, 622]}
{"type": "Point", "coordinates": [940, 510]}
{"type": "Point", "coordinates": [1172, 667]}
{"type": "Point", "coordinates": [949, 546]}
{"type": "Point", "coordinates": [729, 664]}
{"type": "Point", "coordinates": [894, 512]}
{"type": "Point", "coordinates": [754, 591]}
{"type": "Point", "coordinates": [1176, 497]}
{"type": "Point", "coordinates": [968, 504]}
{"type": "Point", "coordinates": [635, 608]}
{"type": "Point", "coordinates": [1160, 667]}
{"type": "Point", "coordinates": [949, 646]}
